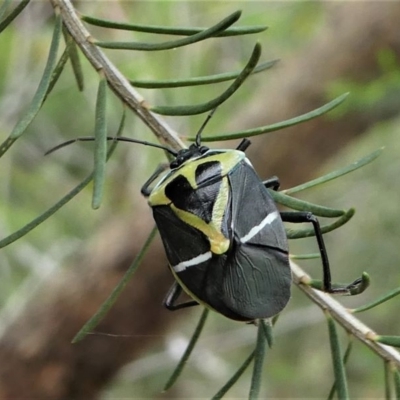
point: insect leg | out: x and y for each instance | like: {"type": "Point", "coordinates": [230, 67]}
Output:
{"type": "Point", "coordinates": [145, 190]}
{"type": "Point", "coordinates": [243, 145]}
{"type": "Point", "coordinates": [299, 217]}
{"type": "Point", "coordinates": [172, 296]}
{"type": "Point", "coordinates": [272, 183]}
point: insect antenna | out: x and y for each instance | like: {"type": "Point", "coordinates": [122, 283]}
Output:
{"type": "Point", "coordinates": [198, 135]}
{"type": "Point", "coordinates": [119, 138]}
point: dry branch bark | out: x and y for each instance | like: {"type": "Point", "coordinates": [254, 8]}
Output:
{"type": "Point", "coordinates": [38, 360]}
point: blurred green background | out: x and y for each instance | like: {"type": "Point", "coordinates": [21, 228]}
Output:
{"type": "Point", "coordinates": [299, 364]}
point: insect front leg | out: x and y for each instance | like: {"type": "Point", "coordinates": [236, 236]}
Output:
{"type": "Point", "coordinates": [146, 190]}
{"type": "Point", "coordinates": [172, 296]}
{"type": "Point", "coordinates": [299, 217]}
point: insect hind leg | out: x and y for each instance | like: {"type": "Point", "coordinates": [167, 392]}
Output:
{"type": "Point", "coordinates": [299, 217]}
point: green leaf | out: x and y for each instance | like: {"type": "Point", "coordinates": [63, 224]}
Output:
{"type": "Point", "coordinates": [338, 364]}
{"type": "Point", "coordinates": [235, 377]}
{"type": "Point", "coordinates": [302, 205]}
{"type": "Point", "coordinates": [41, 91]}
{"type": "Point", "coordinates": [4, 8]}
{"type": "Point", "coordinates": [75, 61]}
{"type": "Point", "coordinates": [182, 362]}
{"type": "Point", "coordinates": [389, 340]}
{"type": "Point", "coordinates": [274, 127]}
{"type": "Point", "coordinates": [259, 357]}
{"type": "Point", "coordinates": [112, 298]}
{"type": "Point", "coordinates": [268, 333]}
{"type": "Point", "coordinates": [380, 300]}
{"type": "Point", "coordinates": [59, 68]}
{"type": "Point", "coordinates": [202, 80]}
{"type": "Point", "coordinates": [212, 104]}
{"type": "Point", "coordinates": [13, 14]}
{"type": "Point", "coordinates": [396, 377]}
{"type": "Point", "coordinates": [336, 174]}
{"type": "Point", "coordinates": [387, 371]}
{"type": "Point", "coordinates": [166, 30]}
{"type": "Point", "coordinates": [100, 154]}
{"type": "Point", "coordinates": [48, 213]}
{"type": "Point", "coordinates": [173, 44]}
{"type": "Point", "coordinates": [305, 256]}
{"type": "Point", "coordinates": [345, 359]}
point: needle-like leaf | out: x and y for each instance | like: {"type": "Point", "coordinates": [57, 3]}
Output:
{"type": "Point", "coordinates": [336, 174]}
{"type": "Point", "coordinates": [173, 30]}
{"type": "Point", "coordinates": [338, 364]}
{"type": "Point", "coordinates": [212, 104]}
{"type": "Point", "coordinates": [173, 44]}
{"type": "Point", "coordinates": [258, 361]}
{"type": "Point", "coordinates": [106, 306]}
{"type": "Point", "coordinates": [275, 127]}
{"type": "Point", "coordinates": [100, 153]}
{"type": "Point", "coordinates": [41, 91]}
{"type": "Point", "coordinates": [182, 362]}
{"type": "Point", "coordinates": [13, 14]}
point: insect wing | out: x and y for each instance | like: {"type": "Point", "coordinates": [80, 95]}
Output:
{"type": "Point", "coordinates": [257, 275]}
{"type": "Point", "coordinates": [182, 242]}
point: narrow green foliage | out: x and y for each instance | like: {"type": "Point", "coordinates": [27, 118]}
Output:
{"type": "Point", "coordinates": [267, 326]}
{"type": "Point", "coordinates": [75, 61]}
{"type": "Point", "coordinates": [4, 8]}
{"type": "Point", "coordinates": [309, 232]}
{"type": "Point", "coordinates": [338, 364]}
{"type": "Point", "coordinates": [235, 377]}
{"type": "Point", "coordinates": [258, 361]}
{"type": "Point", "coordinates": [212, 104]}
{"type": "Point", "coordinates": [389, 340]}
{"type": "Point", "coordinates": [396, 378]}
{"type": "Point", "coordinates": [203, 80]}
{"type": "Point", "coordinates": [13, 14]}
{"type": "Point", "coordinates": [193, 340]}
{"type": "Point", "coordinates": [106, 306]}
{"type": "Point", "coordinates": [379, 301]}
{"type": "Point", "coordinates": [336, 174]}
{"type": "Point", "coordinates": [166, 30]}
{"type": "Point", "coordinates": [345, 359]}
{"type": "Point", "coordinates": [48, 213]}
{"type": "Point", "coordinates": [41, 91]}
{"type": "Point", "coordinates": [59, 68]}
{"type": "Point", "coordinates": [172, 44]}
{"type": "Point", "coordinates": [100, 133]}
{"type": "Point", "coordinates": [388, 380]}
{"type": "Point", "coordinates": [274, 127]}
{"type": "Point", "coordinates": [301, 205]}
{"type": "Point", "coordinates": [305, 256]}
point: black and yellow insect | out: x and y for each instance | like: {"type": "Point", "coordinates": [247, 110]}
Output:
{"type": "Point", "coordinates": [223, 235]}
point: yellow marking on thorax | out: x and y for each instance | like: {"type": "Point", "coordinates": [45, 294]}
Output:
{"type": "Point", "coordinates": [218, 242]}
{"type": "Point", "coordinates": [228, 160]}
